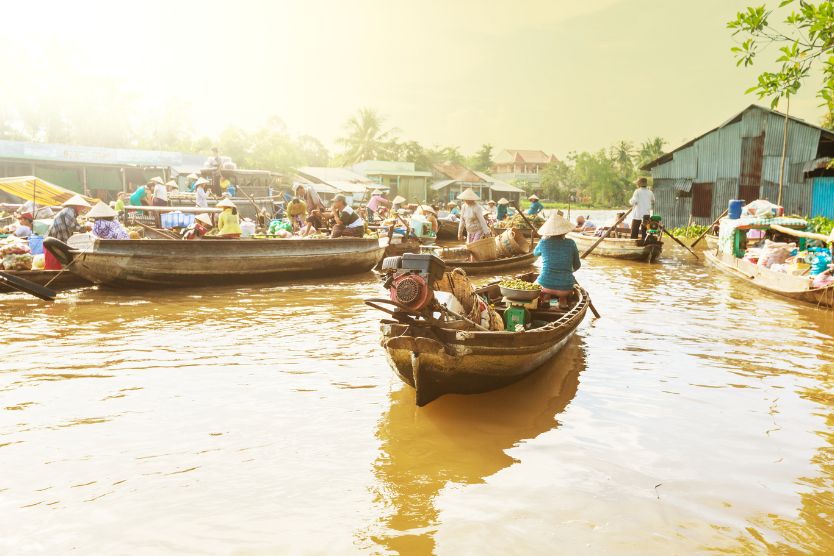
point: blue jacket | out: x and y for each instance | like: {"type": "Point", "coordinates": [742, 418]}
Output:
{"type": "Point", "coordinates": [560, 259]}
{"type": "Point", "coordinates": [535, 208]}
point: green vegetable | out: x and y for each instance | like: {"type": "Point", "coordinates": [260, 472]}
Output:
{"type": "Point", "coordinates": [688, 232]}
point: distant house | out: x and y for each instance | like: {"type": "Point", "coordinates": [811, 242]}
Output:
{"type": "Point", "coordinates": [401, 178]}
{"type": "Point", "coordinates": [740, 159]}
{"type": "Point", "coordinates": [452, 179]}
{"type": "Point", "coordinates": [329, 182]}
{"type": "Point", "coordinates": [96, 171]}
{"type": "Point", "coordinates": [520, 165]}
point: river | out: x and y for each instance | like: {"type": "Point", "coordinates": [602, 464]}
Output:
{"type": "Point", "coordinates": [696, 416]}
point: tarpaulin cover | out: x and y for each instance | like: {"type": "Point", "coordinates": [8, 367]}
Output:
{"type": "Point", "coordinates": [45, 193]}
{"type": "Point", "coordinates": [728, 227]}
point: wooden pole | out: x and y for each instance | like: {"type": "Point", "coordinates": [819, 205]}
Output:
{"type": "Point", "coordinates": [806, 235]}
{"type": "Point", "coordinates": [709, 228]}
{"type": "Point", "coordinates": [784, 151]}
{"type": "Point", "coordinates": [535, 232]}
{"type": "Point", "coordinates": [607, 233]}
{"type": "Point", "coordinates": [679, 242]}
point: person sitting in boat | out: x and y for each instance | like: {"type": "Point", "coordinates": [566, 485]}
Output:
{"type": "Point", "coordinates": [396, 203]}
{"type": "Point", "coordinates": [376, 203]}
{"type": "Point", "coordinates": [297, 213]}
{"type": "Point", "coordinates": [535, 205]}
{"type": "Point", "coordinates": [560, 259]}
{"type": "Point", "coordinates": [25, 222]}
{"type": "Point", "coordinates": [38, 212]}
{"type": "Point", "coordinates": [430, 215]}
{"type": "Point", "coordinates": [105, 225]}
{"type": "Point", "coordinates": [201, 226]}
{"type": "Point", "coordinates": [346, 221]}
{"type": "Point", "coordinates": [202, 193]}
{"type": "Point", "coordinates": [228, 222]}
{"type": "Point", "coordinates": [472, 218]}
{"type": "Point", "coordinates": [501, 209]}
{"type": "Point", "coordinates": [454, 211]}
{"type": "Point", "coordinates": [192, 181]}
{"type": "Point", "coordinates": [490, 209]}
{"type": "Point", "coordinates": [309, 228]}
{"type": "Point", "coordinates": [63, 226]}
{"type": "Point", "coordinates": [315, 206]}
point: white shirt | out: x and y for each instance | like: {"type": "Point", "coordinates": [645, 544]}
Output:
{"type": "Point", "coordinates": [642, 201]}
{"type": "Point", "coordinates": [359, 222]}
{"type": "Point", "coordinates": [202, 197]}
{"type": "Point", "coordinates": [160, 192]}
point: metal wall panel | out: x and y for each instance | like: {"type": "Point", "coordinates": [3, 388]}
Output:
{"type": "Point", "coordinates": [674, 210]}
{"type": "Point", "coordinates": [770, 168]}
{"type": "Point", "coordinates": [753, 122]}
{"type": "Point", "coordinates": [686, 163]}
{"type": "Point", "coordinates": [709, 153]}
{"type": "Point", "coordinates": [729, 164]}
{"type": "Point", "coordinates": [822, 197]}
{"type": "Point", "coordinates": [725, 189]}
{"type": "Point", "coordinates": [796, 198]}
{"type": "Point", "coordinates": [803, 140]}
{"type": "Point", "coordinates": [662, 171]}
{"type": "Point", "coordinates": [769, 191]}
{"type": "Point", "coordinates": [751, 161]}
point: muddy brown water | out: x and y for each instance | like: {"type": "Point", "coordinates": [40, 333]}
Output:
{"type": "Point", "coordinates": [697, 416]}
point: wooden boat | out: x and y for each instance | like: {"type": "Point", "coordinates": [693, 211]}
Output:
{"type": "Point", "coordinates": [458, 257]}
{"type": "Point", "coordinates": [786, 285]}
{"type": "Point", "coordinates": [618, 248]}
{"type": "Point", "coordinates": [165, 263]}
{"type": "Point", "coordinates": [447, 230]}
{"type": "Point", "coordinates": [57, 280]}
{"type": "Point", "coordinates": [437, 360]}
{"type": "Point", "coordinates": [711, 241]}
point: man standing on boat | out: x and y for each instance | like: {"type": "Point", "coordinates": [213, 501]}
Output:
{"type": "Point", "coordinates": [642, 201]}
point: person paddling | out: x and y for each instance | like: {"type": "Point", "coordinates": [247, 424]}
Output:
{"type": "Point", "coordinates": [642, 200]}
{"type": "Point", "coordinates": [560, 259]}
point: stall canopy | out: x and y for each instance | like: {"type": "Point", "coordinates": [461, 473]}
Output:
{"type": "Point", "coordinates": [44, 193]}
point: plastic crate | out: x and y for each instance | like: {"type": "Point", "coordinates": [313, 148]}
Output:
{"type": "Point", "coordinates": [176, 220]}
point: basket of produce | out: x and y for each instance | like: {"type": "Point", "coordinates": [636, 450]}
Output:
{"type": "Point", "coordinates": [519, 290]}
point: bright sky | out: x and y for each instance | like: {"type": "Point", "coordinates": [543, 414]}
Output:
{"type": "Point", "coordinates": [557, 75]}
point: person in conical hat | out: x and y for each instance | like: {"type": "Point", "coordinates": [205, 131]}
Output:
{"type": "Point", "coordinates": [430, 215]}
{"type": "Point", "coordinates": [228, 222]}
{"type": "Point", "coordinates": [192, 180]}
{"type": "Point", "coordinates": [105, 225]}
{"type": "Point", "coordinates": [535, 205]}
{"type": "Point", "coordinates": [76, 201]}
{"type": "Point", "coordinates": [202, 224]}
{"type": "Point", "coordinates": [472, 221]}
{"type": "Point", "coordinates": [377, 205]}
{"type": "Point", "coordinates": [201, 192]}
{"type": "Point", "coordinates": [560, 259]}
{"type": "Point", "coordinates": [63, 226]}
{"type": "Point", "coordinates": [501, 209]}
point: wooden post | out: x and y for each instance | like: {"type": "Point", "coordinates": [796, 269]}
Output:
{"type": "Point", "coordinates": [84, 178]}
{"type": "Point", "coordinates": [784, 151]}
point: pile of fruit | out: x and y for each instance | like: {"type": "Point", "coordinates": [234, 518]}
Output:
{"type": "Point", "coordinates": [517, 221]}
{"type": "Point", "coordinates": [520, 285]}
{"type": "Point", "coordinates": [15, 255]}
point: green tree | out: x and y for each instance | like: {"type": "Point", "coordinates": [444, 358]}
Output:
{"type": "Point", "coordinates": [312, 151]}
{"type": "Point", "coordinates": [558, 180]}
{"type": "Point", "coordinates": [365, 138]}
{"type": "Point", "coordinates": [649, 150]}
{"type": "Point", "coordinates": [481, 160]}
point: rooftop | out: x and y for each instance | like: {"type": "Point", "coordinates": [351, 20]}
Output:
{"type": "Point", "coordinates": [79, 154]}
{"type": "Point", "coordinates": [508, 156]}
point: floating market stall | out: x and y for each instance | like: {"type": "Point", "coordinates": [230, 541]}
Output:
{"type": "Point", "coordinates": [444, 337]}
{"type": "Point", "coordinates": [154, 263]}
{"type": "Point", "coordinates": [752, 249]}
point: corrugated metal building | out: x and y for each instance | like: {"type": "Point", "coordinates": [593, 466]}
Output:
{"type": "Point", "coordinates": [740, 159]}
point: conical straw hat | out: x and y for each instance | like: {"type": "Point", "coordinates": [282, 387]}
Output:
{"type": "Point", "coordinates": [556, 225]}
{"type": "Point", "coordinates": [204, 218]}
{"type": "Point", "coordinates": [226, 203]}
{"type": "Point", "coordinates": [503, 201]}
{"type": "Point", "coordinates": [469, 195]}
{"type": "Point", "coordinates": [102, 210]}
{"type": "Point", "coordinates": [398, 200]}
{"type": "Point", "coordinates": [76, 201]}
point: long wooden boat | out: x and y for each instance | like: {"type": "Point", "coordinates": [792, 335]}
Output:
{"type": "Point", "coordinates": [459, 258]}
{"type": "Point", "coordinates": [167, 263]}
{"type": "Point", "coordinates": [711, 241]}
{"type": "Point", "coordinates": [618, 248]}
{"type": "Point", "coordinates": [437, 360]}
{"type": "Point", "coordinates": [779, 283]}
{"type": "Point", "coordinates": [57, 280]}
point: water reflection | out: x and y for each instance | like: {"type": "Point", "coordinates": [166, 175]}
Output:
{"type": "Point", "coordinates": [458, 440]}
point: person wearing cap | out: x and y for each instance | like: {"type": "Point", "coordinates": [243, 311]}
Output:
{"type": "Point", "coordinates": [192, 180]}
{"type": "Point", "coordinates": [501, 209]}
{"type": "Point", "coordinates": [63, 226]}
{"type": "Point", "coordinates": [472, 218]}
{"type": "Point", "coordinates": [105, 225]}
{"type": "Point", "coordinates": [201, 199]}
{"type": "Point", "coordinates": [201, 226]}
{"type": "Point", "coordinates": [376, 202]}
{"type": "Point", "coordinates": [535, 205]}
{"type": "Point", "coordinates": [560, 259]}
{"type": "Point", "coordinates": [228, 223]}
{"type": "Point", "coordinates": [346, 221]}
{"type": "Point", "coordinates": [642, 201]}
{"type": "Point", "coordinates": [25, 223]}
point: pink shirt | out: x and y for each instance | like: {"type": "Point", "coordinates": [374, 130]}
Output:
{"type": "Point", "coordinates": [377, 200]}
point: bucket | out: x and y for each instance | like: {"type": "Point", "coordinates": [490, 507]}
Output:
{"type": "Point", "coordinates": [483, 249]}
{"type": "Point", "coordinates": [511, 242]}
{"type": "Point", "coordinates": [734, 209]}
{"type": "Point", "coordinates": [36, 245]}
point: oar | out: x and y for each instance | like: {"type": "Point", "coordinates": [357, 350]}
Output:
{"type": "Point", "coordinates": [709, 228]}
{"type": "Point", "coordinates": [679, 242]}
{"type": "Point", "coordinates": [535, 232]}
{"type": "Point", "coordinates": [607, 233]}
{"type": "Point", "coordinates": [27, 286]}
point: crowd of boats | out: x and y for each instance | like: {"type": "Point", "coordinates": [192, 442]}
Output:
{"type": "Point", "coordinates": [441, 333]}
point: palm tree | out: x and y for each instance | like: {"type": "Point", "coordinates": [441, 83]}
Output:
{"type": "Point", "coordinates": [622, 154]}
{"type": "Point", "coordinates": [365, 138]}
{"type": "Point", "coordinates": [651, 149]}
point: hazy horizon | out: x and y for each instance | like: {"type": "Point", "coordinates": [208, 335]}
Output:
{"type": "Point", "coordinates": [549, 75]}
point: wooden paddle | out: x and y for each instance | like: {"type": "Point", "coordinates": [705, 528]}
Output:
{"type": "Point", "coordinates": [607, 233]}
{"type": "Point", "coordinates": [27, 286]}
{"type": "Point", "coordinates": [679, 242]}
{"type": "Point", "coordinates": [798, 233]}
{"type": "Point", "coordinates": [709, 228]}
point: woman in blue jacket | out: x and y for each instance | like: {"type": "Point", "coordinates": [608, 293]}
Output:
{"type": "Point", "coordinates": [560, 259]}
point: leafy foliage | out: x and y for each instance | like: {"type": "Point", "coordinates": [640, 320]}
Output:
{"type": "Point", "coordinates": [689, 232]}
{"type": "Point", "coordinates": [821, 224]}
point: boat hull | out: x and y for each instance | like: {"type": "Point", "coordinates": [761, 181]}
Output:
{"type": "Point", "coordinates": [169, 263]}
{"type": "Point", "coordinates": [57, 280]}
{"type": "Point", "coordinates": [615, 248]}
{"type": "Point", "coordinates": [496, 266]}
{"type": "Point", "coordinates": [792, 287]}
{"type": "Point", "coordinates": [447, 231]}
{"type": "Point", "coordinates": [439, 361]}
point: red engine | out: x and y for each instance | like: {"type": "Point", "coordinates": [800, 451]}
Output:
{"type": "Point", "coordinates": [410, 279]}
{"type": "Point", "coordinates": [411, 290]}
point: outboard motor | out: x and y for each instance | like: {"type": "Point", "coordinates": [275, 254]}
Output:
{"type": "Point", "coordinates": [410, 279]}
